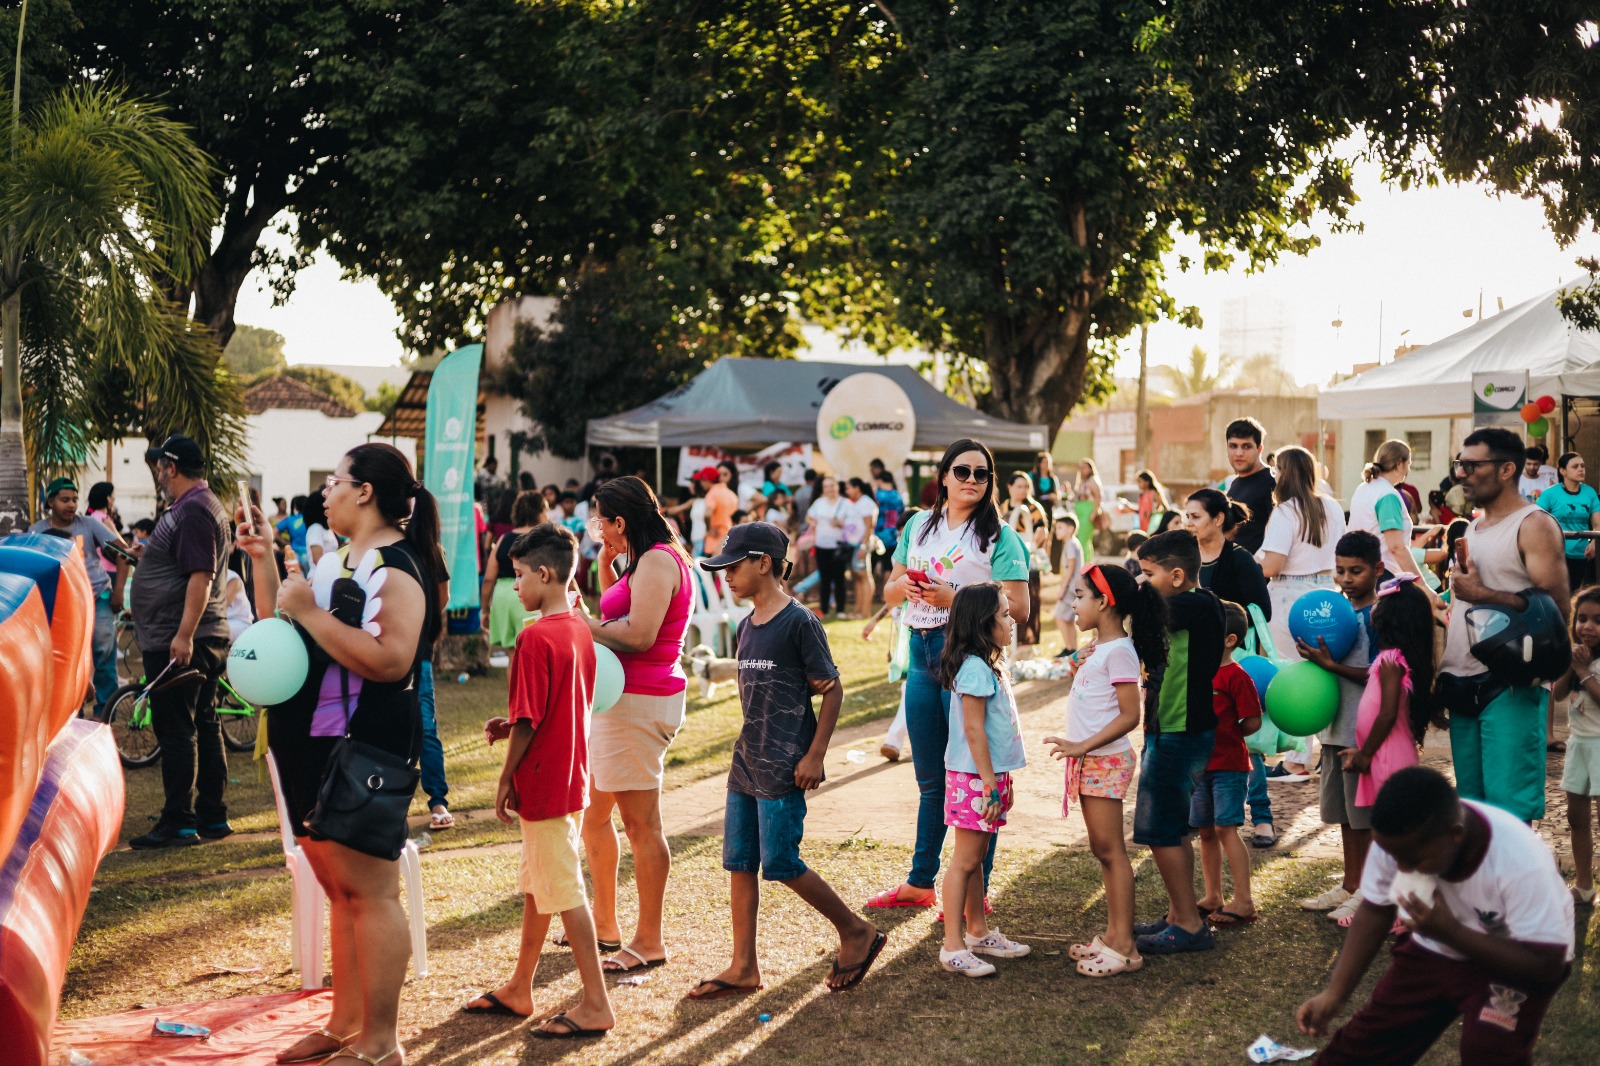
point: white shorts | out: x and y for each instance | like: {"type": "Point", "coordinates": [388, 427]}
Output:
{"type": "Point", "coordinates": [550, 873]}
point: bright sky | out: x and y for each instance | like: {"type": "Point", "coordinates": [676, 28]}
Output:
{"type": "Point", "coordinates": [1424, 255]}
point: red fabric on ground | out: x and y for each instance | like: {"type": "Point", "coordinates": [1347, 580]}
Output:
{"type": "Point", "coordinates": [244, 1032]}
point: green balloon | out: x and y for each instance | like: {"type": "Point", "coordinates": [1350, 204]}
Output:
{"type": "Point", "coordinates": [1539, 427]}
{"type": "Point", "coordinates": [1302, 699]}
{"type": "Point", "coordinates": [268, 663]}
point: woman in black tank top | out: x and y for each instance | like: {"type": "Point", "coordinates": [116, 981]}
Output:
{"type": "Point", "coordinates": [363, 679]}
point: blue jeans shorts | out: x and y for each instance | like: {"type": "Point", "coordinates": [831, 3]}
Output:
{"type": "Point", "coordinates": [1169, 773]}
{"type": "Point", "coordinates": [763, 835]}
{"type": "Point", "coordinates": [1218, 799]}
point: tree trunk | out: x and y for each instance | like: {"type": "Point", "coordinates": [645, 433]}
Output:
{"type": "Point", "coordinates": [14, 509]}
{"type": "Point", "coordinates": [1141, 418]}
{"type": "Point", "coordinates": [1037, 369]}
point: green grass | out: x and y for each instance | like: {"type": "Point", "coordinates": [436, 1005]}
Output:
{"type": "Point", "coordinates": [159, 924]}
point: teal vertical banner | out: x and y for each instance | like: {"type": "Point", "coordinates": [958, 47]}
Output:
{"type": "Point", "coordinates": [448, 463]}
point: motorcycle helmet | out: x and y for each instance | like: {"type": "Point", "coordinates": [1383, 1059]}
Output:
{"type": "Point", "coordinates": [1523, 647]}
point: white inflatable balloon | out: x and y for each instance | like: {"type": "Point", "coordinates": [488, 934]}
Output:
{"type": "Point", "coordinates": [866, 416]}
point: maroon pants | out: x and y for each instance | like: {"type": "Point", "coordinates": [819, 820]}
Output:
{"type": "Point", "coordinates": [1420, 996]}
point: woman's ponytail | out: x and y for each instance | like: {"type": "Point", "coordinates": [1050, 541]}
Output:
{"type": "Point", "coordinates": [1147, 618]}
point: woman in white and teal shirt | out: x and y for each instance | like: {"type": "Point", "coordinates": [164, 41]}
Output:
{"type": "Point", "coordinates": [1576, 507]}
{"type": "Point", "coordinates": [959, 541]}
{"type": "Point", "coordinates": [1378, 508]}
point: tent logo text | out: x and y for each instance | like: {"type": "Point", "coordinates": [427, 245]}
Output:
{"type": "Point", "coordinates": [1491, 388]}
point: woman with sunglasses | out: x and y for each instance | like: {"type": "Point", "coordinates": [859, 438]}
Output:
{"type": "Point", "coordinates": [644, 613]}
{"type": "Point", "coordinates": [960, 541]}
{"type": "Point", "coordinates": [368, 649]}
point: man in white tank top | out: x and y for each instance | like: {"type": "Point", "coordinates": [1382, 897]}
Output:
{"type": "Point", "coordinates": [1499, 751]}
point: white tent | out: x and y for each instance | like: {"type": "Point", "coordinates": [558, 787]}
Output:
{"type": "Point", "coordinates": [1435, 381]}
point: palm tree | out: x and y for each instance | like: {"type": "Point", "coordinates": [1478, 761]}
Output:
{"type": "Point", "coordinates": [104, 200]}
{"type": "Point", "coordinates": [1197, 376]}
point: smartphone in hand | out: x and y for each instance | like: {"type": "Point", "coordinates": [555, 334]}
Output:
{"type": "Point", "coordinates": [919, 576]}
{"type": "Point", "coordinates": [249, 512]}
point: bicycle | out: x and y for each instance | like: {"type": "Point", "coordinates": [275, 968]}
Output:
{"type": "Point", "coordinates": [128, 714]}
{"type": "Point", "coordinates": [130, 660]}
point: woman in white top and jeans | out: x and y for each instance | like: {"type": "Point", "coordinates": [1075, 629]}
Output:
{"type": "Point", "coordinates": [1297, 548]}
{"type": "Point", "coordinates": [826, 520]}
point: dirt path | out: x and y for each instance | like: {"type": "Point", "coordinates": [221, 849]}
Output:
{"type": "Point", "coordinates": [877, 799]}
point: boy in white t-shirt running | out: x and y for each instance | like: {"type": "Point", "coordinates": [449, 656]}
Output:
{"type": "Point", "coordinates": [1490, 936]}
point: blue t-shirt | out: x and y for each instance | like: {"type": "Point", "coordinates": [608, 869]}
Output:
{"type": "Point", "coordinates": [1571, 510]}
{"type": "Point", "coordinates": [295, 526]}
{"type": "Point", "coordinates": [1000, 722]}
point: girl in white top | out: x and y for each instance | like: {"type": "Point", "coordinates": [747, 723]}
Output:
{"type": "Point", "coordinates": [1104, 708]}
{"type": "Point", "coordinates": [1297, 548]}
{"type": "Point", "coordinates": [1580, 778]}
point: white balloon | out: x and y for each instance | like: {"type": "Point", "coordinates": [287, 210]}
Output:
{"type": "Point", "coordinates": [866, 416]}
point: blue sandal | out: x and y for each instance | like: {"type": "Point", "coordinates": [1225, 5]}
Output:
{"type": "Point", "coordinates": [1175, 939]}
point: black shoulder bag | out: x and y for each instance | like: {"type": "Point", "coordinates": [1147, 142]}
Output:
{"type": "Point", "coordinates": [366, 790]}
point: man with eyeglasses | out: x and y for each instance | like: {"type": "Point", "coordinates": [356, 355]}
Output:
{"type": "Point", "coordinates": [1497, 730]}
{"type": "Point", "coordinates": [180, 619]}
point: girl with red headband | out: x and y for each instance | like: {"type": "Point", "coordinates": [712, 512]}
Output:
{"type": "Point", "coordinates": [1130, 623]}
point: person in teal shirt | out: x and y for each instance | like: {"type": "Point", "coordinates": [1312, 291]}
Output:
{"type": "Point", "coordinates": [1576, 507]}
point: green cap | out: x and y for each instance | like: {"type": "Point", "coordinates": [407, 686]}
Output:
{"type": "Point", "coordinates": [57, 485]}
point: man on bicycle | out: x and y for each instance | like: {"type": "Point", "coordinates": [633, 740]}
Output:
{"type": "Point", "coordinates": [181, 622]}
{"type": "Point", "coordinates": [62, 519]}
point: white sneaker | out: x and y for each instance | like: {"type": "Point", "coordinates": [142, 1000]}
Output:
{"type": "Point", "coordinates": [964, 963]}
{"type": "Point", "coordinates": [996, 944]}
{"type": "Point", "coordinates": [1330, 899]}
{"type": "Point", "coordinates": [1348, 908]}
{"type": "Point", "coordinates": [1288, 779]}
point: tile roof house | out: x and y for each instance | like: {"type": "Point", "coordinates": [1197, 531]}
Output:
{"type": "Point", "coordinates": [282, 392]}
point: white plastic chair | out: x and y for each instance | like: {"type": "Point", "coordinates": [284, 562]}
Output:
{"type": "Point", "coordinates": [305, 942]}
{"type": "Point", "coordinates": [708, 616]}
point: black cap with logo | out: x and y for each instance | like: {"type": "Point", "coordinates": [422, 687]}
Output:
{"type": "Point", "coordinates": [177, 449]}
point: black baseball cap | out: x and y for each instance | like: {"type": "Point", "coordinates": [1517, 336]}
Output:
{"type": "Point", "coordinates": [748, 541]}
{"type": "Point", "coordinates": [177, 449]}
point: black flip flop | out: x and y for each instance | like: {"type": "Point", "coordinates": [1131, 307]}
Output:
{"type": "Point", "coordinates": [722, 988]}
{"type": "Point", "coordinates": [574, 1030]}
{"type": "Point", "coordinates": [1230, 919]}
{"type": "Point", "coordinates": [858, 972]}
{"type": "Point", "coordinates": [607, 947]}
{"type": "Point", "coordinates": [494, 1007]}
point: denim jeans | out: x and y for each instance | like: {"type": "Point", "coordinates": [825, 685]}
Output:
{"type": "Point", "coordinates": [1256, 791]}
{"type": "Point", "coordinates": [433, 782]}
{"type": "Point", "coordinates": [105, 652]}
{"type": "Point", "coordinates": [928, 723]}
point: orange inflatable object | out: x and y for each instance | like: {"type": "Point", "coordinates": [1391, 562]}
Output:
{"type": "Point", "coordinates": [25, 672]}
{"type": "Point", "coordinates": [44, 882]}
{"type": "Point", "coordinates": [57, 565]}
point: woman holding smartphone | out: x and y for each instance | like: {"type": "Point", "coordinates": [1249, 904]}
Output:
{"type": "Point", "coordinates": [369, 613]}
{"type": "Point", "coordinates": [959, 541]}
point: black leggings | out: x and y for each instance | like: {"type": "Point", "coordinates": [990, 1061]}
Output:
{"type": "Point", "coordinates": [1579, 573]}
{"type": "Point", "coordinates": [833, 567]}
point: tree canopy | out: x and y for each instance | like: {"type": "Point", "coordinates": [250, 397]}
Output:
{"type": "Point", "coordinates": [254, 352]}
{"type": "Point", "coordinates": [1002, 183]}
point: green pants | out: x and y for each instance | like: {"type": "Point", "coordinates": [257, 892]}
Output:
{"type": "Point", "coordinates": [1499, 755]}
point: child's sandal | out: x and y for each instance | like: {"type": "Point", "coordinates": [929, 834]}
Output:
{"type": "Point", "coordinates": [1109, 963]}
{"type": "Point", "coordinates": [1084, 952]}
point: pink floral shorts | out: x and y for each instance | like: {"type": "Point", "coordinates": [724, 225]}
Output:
{"type": "Point", "coordinates": [1103, 776]}
{"type": "Point", "coordinates": [964, 800]}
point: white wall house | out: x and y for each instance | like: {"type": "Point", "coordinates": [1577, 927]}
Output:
{"type": "Point", "coordinates": [1434, 443]}
{"type": "Point", "coordinates": [295, 437]}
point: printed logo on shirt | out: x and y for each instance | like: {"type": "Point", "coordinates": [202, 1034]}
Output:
{"type": "Point", "coordinates": [1493, 922]}
{"type": "Point", "coordinates": [1503, 1007]}
{"type": "Point", "coordinates": [757, 664]}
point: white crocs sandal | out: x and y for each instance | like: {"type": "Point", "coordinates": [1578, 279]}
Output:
{"type": "Point", "coordinates": [1109, 963]}
{"type": "Point", "coordinates": [1084, 952]}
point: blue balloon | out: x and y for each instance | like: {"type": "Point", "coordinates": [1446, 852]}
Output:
{"type": "Point", "coordinates": [1326, 614]}
{"type": "Point", "coordinates": [1261, 670]}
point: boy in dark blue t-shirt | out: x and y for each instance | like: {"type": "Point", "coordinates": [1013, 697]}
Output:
{"type": "Point", "coordinates": [783, 660]}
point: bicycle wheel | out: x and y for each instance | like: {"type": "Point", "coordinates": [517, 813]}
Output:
{"type": "Point", "coordinates": [238, 726]}
{"type": "Point", "coordinates": [130, 660]}
{"type": "Point", "coordinates": [137, 746]}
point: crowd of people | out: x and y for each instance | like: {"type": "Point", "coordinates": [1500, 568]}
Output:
{"type": "Point", "coordinates": [1483, 915]}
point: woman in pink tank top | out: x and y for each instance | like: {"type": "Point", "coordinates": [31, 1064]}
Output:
{"type": "Point", "coordinates": [644, 614]}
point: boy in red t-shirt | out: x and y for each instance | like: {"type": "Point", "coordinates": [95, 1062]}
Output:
{"type": "Point", "coordinates": [1217, 809]}
{"type": "Point", "coordinates": [545, 784]}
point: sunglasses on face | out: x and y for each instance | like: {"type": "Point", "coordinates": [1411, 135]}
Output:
{"type": "Point", "coordinates": [978, 474]}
